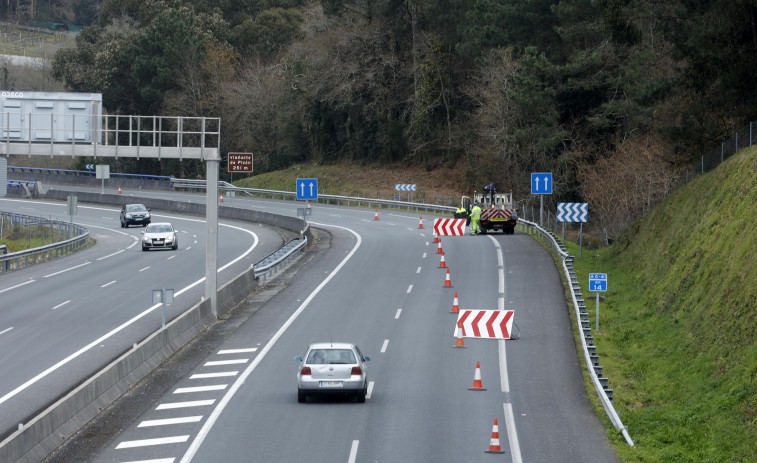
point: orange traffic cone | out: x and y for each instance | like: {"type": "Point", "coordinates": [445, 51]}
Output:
{"type": "Point", "coordinates": [459, 342]}
{"type": "Point", "coordinates": [477, 385]}
{"type": "Point", "coordinates": [119, 189]}
{"type": "Point", "coordinates": [376, 216]}
{"type": "Point", "coordinates": [455, 306]}
{"type": "Point", "coordinates": [447, 282]}
{"type": "Point", "coordinates": [441, 263]}
{"type": "Point", "coordinates": [420, 224]}
{"type": "Point", "coordinates": [221, 198]}
{"type": "Point", "coordinates": [494, 443]}
{"type": "Point", "coordinates": [439, 248]}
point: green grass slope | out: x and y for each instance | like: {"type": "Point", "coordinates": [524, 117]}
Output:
{"type": "Point", "coordinates": [678, 327]}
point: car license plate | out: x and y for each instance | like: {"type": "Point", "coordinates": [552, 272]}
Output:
{"type": "Point", "coordinates": [330, 384]}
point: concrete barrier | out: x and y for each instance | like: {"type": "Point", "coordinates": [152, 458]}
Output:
{"type": "Point", "coordinates": [53, 426]}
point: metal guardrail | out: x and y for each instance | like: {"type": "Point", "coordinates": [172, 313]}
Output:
{"type": "Point", "coordinates": [601, 384]}
{"type": "Point", "coordinates": [16, 260]}
{"type": "Point", "coordinates": [85, 173]}
{"type": "Point", "coordinates": [322, 198]}
{"type": "Point", "coordinates": [269, 264]}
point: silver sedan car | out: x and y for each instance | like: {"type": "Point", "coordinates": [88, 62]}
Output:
{"type": "Point", "coordinates": [332, 368]}
{"type": "Point", "coordinates": [160, 235]}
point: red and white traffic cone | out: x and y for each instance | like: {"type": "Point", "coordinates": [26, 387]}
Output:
{"type": "Point", "coordinates": [221, 198]}
{"type": "Point", "coordinates": [436, 238]}
{"type": "Point", "coordinates": [477, 385]}
{"type": "Point", "coordinates": [308, 204]}
{"type": "Point", "coordinates": [119, 189]}
{"type": "Point", "coordinates": [442, 264]}
{"type": "Point", "coordinates": [455, 306]}
{"type": "Point", "coordinates": [376, 216]}
{"type": "Point", "coordinates": [494, 442]}
{"type": "Point", "coordinates": [439, 248]}
{"type": "Point", "coordinates": [420, 224]}
{"type": "Point", "coordinates": [459, 341]}
{"type": "Point", "coordinates": [447, 282]}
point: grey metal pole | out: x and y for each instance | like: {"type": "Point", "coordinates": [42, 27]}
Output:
{"type": "Point", "coordinates": [211, 234]}
{"type": "Point", "coordinates": [597, 311]}
{"type": "Point", "coordinates": [541, 210]}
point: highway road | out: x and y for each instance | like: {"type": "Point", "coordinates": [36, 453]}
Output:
{"type": "Point", "coordinates": [378, 283]}
{"type": "Point", "coordinates": [63, 320]}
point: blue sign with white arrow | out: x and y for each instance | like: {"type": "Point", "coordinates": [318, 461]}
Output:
{"type": "Point", "coordinates": [597, 282]}
{"type": "Point", "coordinates": [541, 183]}
{"type": "Point", "coordinates": [307, 188]}
{"type": "Point", "coordinates": [572, 212]}
{"type": "Point", "coordinates": [405, 187]}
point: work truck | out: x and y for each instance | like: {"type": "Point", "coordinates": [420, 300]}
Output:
{"type": "Point", "coordinates": [498, 211]}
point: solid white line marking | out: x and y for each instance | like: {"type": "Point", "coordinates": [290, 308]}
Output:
{"type": "Point", "coordinates": [157, 460]}
{"type": "Point", "coordinates": [397, 315]}
{"type": "Point", "coordinates": [370, 390]}
{"type": "Point", "coordinates": [6, 330]}
{"type": "Point", "coordinates": [169, 421]}
{"type": "Point", "coordinates": [225, 362]}
{"type": "Point", "coordinates": [111, 255]}
{"type": "Point", "coordinates": [353, 451]}
{"type": "Point", "coordinates": [512, 434]}
{"type": "Point", "coordinates": [194, 403]}
{"type": "Point", "coordinates": [383, 348]}
{"type": "Point", "coordinates": [17, 286]}
{"type": "Point", "coordinates": [418, 271]}
{"type": "Point", "coordinates": [148, 442]}
{"type": "Point", "coordinates": [237, 351]}
{"type": "Point", "coordinates": [214, 375]}
{"type": "Point", "coordinates": [189, 390]}
{"type": "Point", "coordinates": [143, 269]}
{"type": "Point", "coordinates": [66, 270]}
{"type": "Point", "coordinates": [504, 380]}
{"type": "Point", "coordinates": [108, 284]}
{"type": "Point", "coordinates": [409, 288]}
{"type": "Point", "coordinates": [61, 304]}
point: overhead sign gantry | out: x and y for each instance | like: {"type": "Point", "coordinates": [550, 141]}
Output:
{"type": "Point", "coordinates": [72, 124]}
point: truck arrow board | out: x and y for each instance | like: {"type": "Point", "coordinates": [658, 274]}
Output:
{"type": "Point", "coordinates": [486, 324]}
{"type": "Point", "coordinates": [449, 227]}
{"type": "Point", "coordinates": [541, 183]}
{"type": "Point", "coordinates": [307, 188]}
{"type": "Point", "coordinates": [572, 212]}
{"type": "Point", "coordinates": [597, 282]}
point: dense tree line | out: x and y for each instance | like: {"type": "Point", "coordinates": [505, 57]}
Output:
{"type": "Point", "coordinates": [497, 88]}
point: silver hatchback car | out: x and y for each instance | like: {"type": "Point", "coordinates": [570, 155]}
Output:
{"type": "Point", "coordinates": [332, 368]}
{"type": "Point", "coordinates": [160, 235]}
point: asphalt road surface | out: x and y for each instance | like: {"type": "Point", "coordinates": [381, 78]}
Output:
{"type": "Point", "coordinates": [376, 283]}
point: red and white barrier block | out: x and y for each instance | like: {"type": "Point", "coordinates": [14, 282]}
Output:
{"type": "Point", "coordinates": [449, 227]}
{"type": "Point", "coordinates": [487, 324]}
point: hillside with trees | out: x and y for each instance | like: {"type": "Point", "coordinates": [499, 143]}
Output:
{"type": "Point", "coordinates": [615, 97]}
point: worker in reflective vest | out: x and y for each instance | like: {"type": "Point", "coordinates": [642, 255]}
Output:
{"type": "Point", "coordinates": [475, 216]}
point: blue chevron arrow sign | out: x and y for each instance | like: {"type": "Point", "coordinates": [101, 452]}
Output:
{"type": "Point", "coordinates": [572, 212]}
{"type": "Point", "coordinates": [405, 187]}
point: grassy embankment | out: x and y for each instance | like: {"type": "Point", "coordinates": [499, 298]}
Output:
{"type": "Point", "coordinates": [440, 186]}
{"type": "Point", "coordinates": [19, 238]}
{"type": "Point", "coordinates": [678, 327]}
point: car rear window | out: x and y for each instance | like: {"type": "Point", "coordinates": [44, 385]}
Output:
{"type": "Point", "coordinates": [331, 356]}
